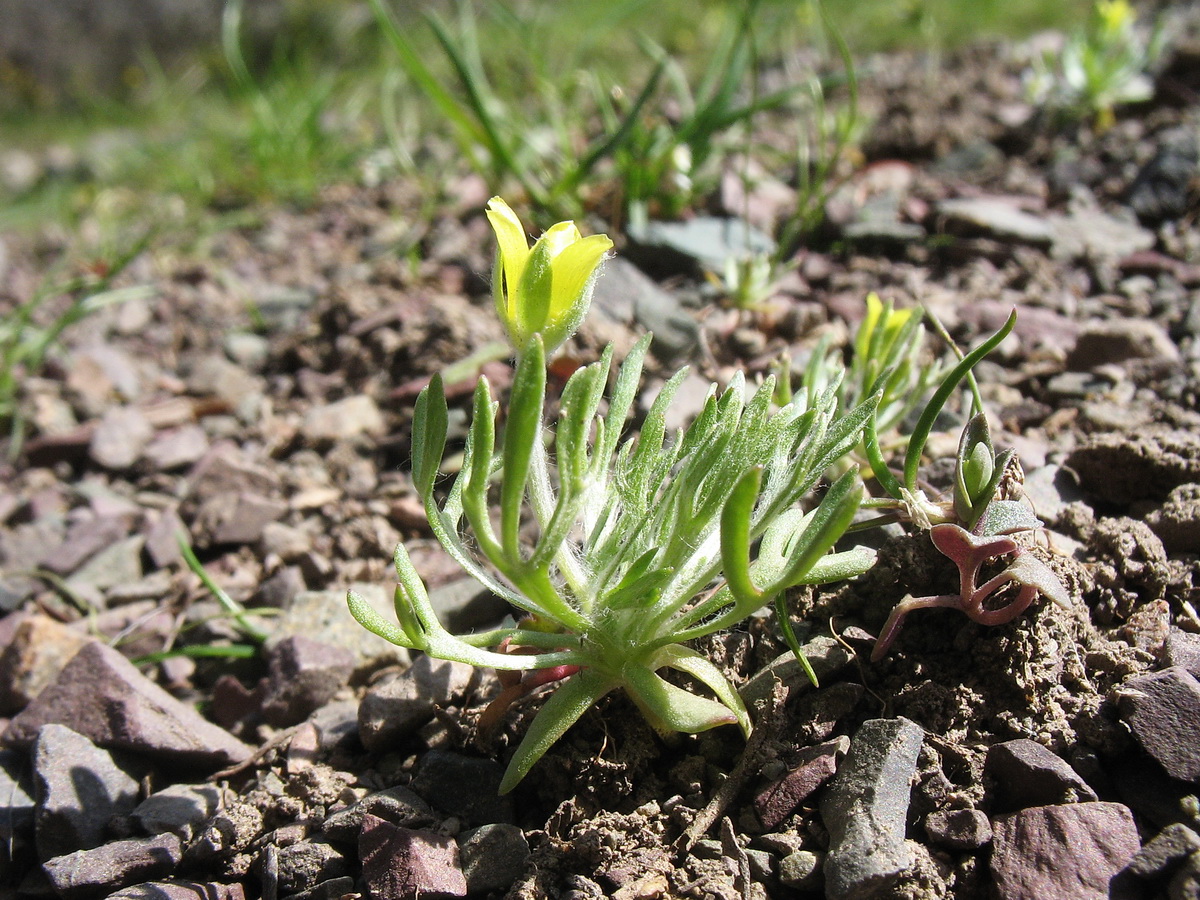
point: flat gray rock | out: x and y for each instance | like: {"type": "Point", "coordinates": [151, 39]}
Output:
{"type": "Point", "coordinates": [492, 856]}
{"type": "Point", "coordinates": [1027, 774]}
{"type": "Point", "coordinates": [865, 808]}
{"type": "Point", "coordinates": [79, 790]}
{"type": "Point", "coordinates": [180, 809]}
{"type": "Point", "coordinates": [1070, 852]}
{"type": "Point", "coordinates": [396, 707]}
{"type": "Point", "coordinates": [995, 217]}
{"type": "Point", "coordinates": [101, 695]}
{"type": "Point", "coordinates": [399, 863]}
{"type": "Point", "coordinates": [90, 873]}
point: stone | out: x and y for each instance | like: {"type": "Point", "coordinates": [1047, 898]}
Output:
{"type": "Point", "coordinates": [700, 243]}
{"type": "Point", "coordinates": [179, 809]}
{"type": "Point", "coordinates": [324, 613]}
{"type": "Point", "coordinates": [464, 605]}
{"type": "Point", "coordinates": [236, 518]}
{"type": "Point", "coordinates": [248, 350]}
{"type": "Point", "coordinates": [464, 786]}
{"type": "Point", "coordinates": [492, 857]}
{"type": "Point", "coordinates": [1165, 851]}
{"type": "Point", "coordinates": [176, 448]}
{"type": "Point", "coordinates": [958, 829]}
{"type": "Point", "coordinates": [865, 808]}
{"type": "Point", "coordinates": [825, 655]}
{"type": "Point", "coordinates": [79, 790]}
{"type": "Point", "coordinates": [1163, 712]}
{"type": "Point", "coordinates": [180, 890]}
{"type": "Point", "coordinates": [801, 870]}
{"type": "Point", "coordinates": [119, 439]}
{"type": "Point", "coordinates": [86, 873]}
{"type": "Point", "coordinates": [85, 537]}
{"type": "Point", "coordinates": [304, 674]}
{"type": "Point", "coordinates": [395, 708]}
{"type": "Point", "coordinates": [216, 376]}
{"type": "Point", "coordinates": [1051, 489]}
{"type": "Point", "coordinates": [780, 799]}
{"type": "Point", "coordinates": [1024, 773]}
{"type": "Point", "coordinates": [402, 864]}
{"type": "Point", "coordinates": [305, 864]}
{"type": "Point", "coordinates": [16, 797]}
{"type": "Point", "coordinates": [225, 469]}
{"type": "Point", "coordinates": [162, 533]}
{"type": "Point", "coordinates": [398, 805]}
{"type": "Point", "coordinates": [1162, 188]}
{"type": "Point", "coordinates": [117, 564]}
{"type": "Point", "coordinates": [39, 648]}
{"type": "Point", "coordinates": [344, 419]}
{"type": "Point", "coordinates": [102, 696]}
{"type": "Point", "coordinates": [995, 217]}
{"type": "Point", "coordinates": [1070, 852]}
{"type": "Point", "coordinates": [1117, 341]}
{"type": "Point", "coordinates": [626, 295]}
{"type": "Point", "coordinates": [1182, 648]}
{"type": "Point", "coordinates": [333, 889]}
{"type": "Point", "coordinates": [1087, 232]}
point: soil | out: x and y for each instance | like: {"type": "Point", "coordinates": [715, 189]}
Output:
{"type": "Point", "coordinates": [223, 373]}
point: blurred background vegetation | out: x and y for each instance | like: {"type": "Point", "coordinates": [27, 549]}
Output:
{"type": "Point", "coordinates": [272, 103]}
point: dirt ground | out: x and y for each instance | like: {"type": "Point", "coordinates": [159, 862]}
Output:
{"type": "Point", "coordinates": [260, 396]}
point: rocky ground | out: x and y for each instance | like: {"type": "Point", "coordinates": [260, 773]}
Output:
{"type": "Point", "coordinates": [259, 398]}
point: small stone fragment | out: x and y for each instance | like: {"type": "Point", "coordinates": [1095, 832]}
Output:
{"type": "Point", "coordinates": [397, 707]}
{"type": "Point", "coordinates": [995, 217]}
{"type": "Point", "coordinates": [16, 796]}
{"type": "Point", "coordinates": [79, 790]}
{"type": "Point", "coordinates": [179, 809]}
{"type": "Point", "coordinates": [958, 829]}
{"type": "Point", "coordinates": [1027, 774]}
{"type": "Point", "coordinates": [1122, 467]}
{"type": "Point", "coordinates": [779, 800]}
{"type": "Point", "coordinates": [176, 448]}
{"type": "Point", "coordinates": [304, 675]}
{"type": "Point", "coordinates": [117, 564]}
{"type": "Point", "coordinates": [344, 419]}
{"type": "Point", "coordinates": [1070, 852]}
{"type": "Point", "coordinates": [180, 890]}
{"type": "Point", "coordinates": [305, 864]}
{"type": "Point", "coordinates": [397, 805]}
{"type": "Point", "coordinates": [324, 613]}
{"type": "Point", "coordinates": [464, 786]}
{"type": "Point", "coordinates": [401, 864]}
{"type": "Point", "coordinates": [1182, 648]}
{"type": "Point", "coordinates": [801, 870]}
{"type": "Point", "coordinates": [236, 518]}
{"type": "Point", "coordinates": [39, 649]}
{"type": "Point", "coordinates": [1122, 341]}
{"type": "Point", "coordinates": [865, 806]}
{"type": "Point", "coordinates": [103, 697]}
{"type": "Point", "coordinates": [1159, 856]}
{"type": "Point", "coordinates": [492, 856]}
{"type": "Point", "coordinates": [1163, 712]}
{"type": "Point", "coordinates": [119, 438]}
{"type": "Point", "coordinates": [119, 864]}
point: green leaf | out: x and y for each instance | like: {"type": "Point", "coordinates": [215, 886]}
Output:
{"type": "Point", "coordinates": [369, 618]}
{"type": "Point", "coordinates": [566, 704]}
{"type": "Point", "coordinates": [703, 670]}
{"type": "Point", "coordinates": [430, 419]}
{"type": "Point", "coordinates": [828, 523]}
{"type": "Point", "coordinates": [735, 539]}
{"type": "Point", "coordinates": [669, 708]}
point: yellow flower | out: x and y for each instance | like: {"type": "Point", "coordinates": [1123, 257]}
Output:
{"type": "Point", "coordinates": [545, 289]}
{"type": "Point", "coordinates": [1114, 16]}
{"type": "Point", "coordinates": [879, 316]}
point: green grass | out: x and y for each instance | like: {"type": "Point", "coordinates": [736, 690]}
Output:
{"type": "Point", "coordinates": [243, 126]}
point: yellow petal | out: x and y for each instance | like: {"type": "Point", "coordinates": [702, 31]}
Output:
{"type": "Point", "coordinates": [559, 237]}
{"type": "Point", "coordinates": [573, 269]}
{"type": "Point", "coordinates": [514, 246]}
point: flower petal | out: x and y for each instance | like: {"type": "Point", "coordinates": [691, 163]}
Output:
{"type": "Point", "coordinates": [574, 267]}
{"type": "Point", "coordinates": [514, 248]}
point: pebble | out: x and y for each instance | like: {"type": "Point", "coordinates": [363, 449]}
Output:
{"type": "Point", "coordinates": [79, 789]}
{"type": "Point", "coordinates": [86, 536]}
{"type": "Point", "coordinates": [464, 605]}
{"type": "Point", "coordinates": [865, 807]}
{"type": "Point", "coordinates": [225, 469]}
{"type": "Point", "coordinates": [119, 439]}
{"type": "Point", "coordinates": [344, 419]}
{"type": "Point", "coordinates": [303, 675]}
{"type": "Point", "coordinates": [402, 864]}
{"type": "Point", "coordinates": [1070, 852]}
{"type": "Point", "coordinates": [103, 697]}
{"type": "Point", "coordinates": [959, 829]}
{"type": "Point", "coordinates": [1087, 232]}
{"type": "Point", "coordinates": [213, 375]}
{"type": "Point", "coordinates": [180, 890]}
{"type": "Point", "coordinates": [626, 295]}
{"type": "Point", "coordinates": [1182, 648]}
{"type": "Point", "coordinates": [1141, 465]}
{"type": "Point", "coordinates": [1165, 851]}
{"type": "Point", "coordinates": [777, 801]}
{"type": "Point", "coordinates": [467, 787]}
{"type": "Point", "coordinates": [1163, 712]}
{"type": "Point", "coordinates": [305, 864]}
{"type": "Point", "coordinates": [1113, 342]}
{"type": "Point", "coordinates": [825, 655]}
{"type": "Point", "coordinates": [236, 518]}
{"type": "Point", "coordinates": [1177, 521]}
{"type": "Point", "coordinates": [324, 613]}
{"type": "Point", "coordinates": [995, 217]}
{"type": "Point", "coordinates": [704, 242]}
{"type": "Point", "coordinates": [1025, 774]}
{"type": "Point", "coordinates": [16, 790]}
{"type": "Point", "coordinates": [179, 809]}
{"type": "Point", "coordinates": [176, 448]}
{"type": "Point", "coordinates": [39, 648]}
{"type": "Point", "coordinates": [802, 870]}
{"type": "Point", "coordinates": [117, 564]}
{"type": "Point", "coordinates": [88, 873]}
{"type": "Point", "coordinates": [248, 350]}
{"type": "Point", "coordinates": [395, 708]}
{"type": "Point", "coordinates": [492, 856]}
{"type": "Point", "coordinates": [1161, 190]}
{"type": "Point", "coordinates": [397, 805]}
